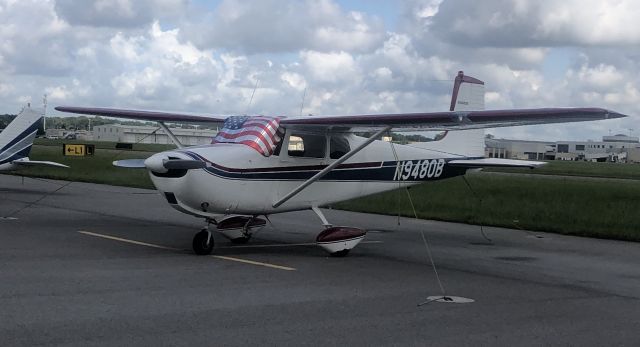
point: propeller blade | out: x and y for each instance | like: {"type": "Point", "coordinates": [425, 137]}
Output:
{"type": "Point", "coordinates": [184, 164]}
{"type": "Point", "coordinates": [130, 163]}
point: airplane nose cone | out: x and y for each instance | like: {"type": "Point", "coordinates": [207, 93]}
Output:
{"type": "Point", "coordinates": [156, 162]}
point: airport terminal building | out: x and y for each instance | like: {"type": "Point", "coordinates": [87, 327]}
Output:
{"type": "Point", "coordinates": [616, 148]}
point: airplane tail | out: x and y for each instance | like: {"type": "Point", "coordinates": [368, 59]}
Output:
{"type": "Point", "coordinates": [17, 139]}
{"type": "Point", "coordinates": [467, 95]}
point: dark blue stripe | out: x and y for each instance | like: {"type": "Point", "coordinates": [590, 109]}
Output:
{"type": "Point", "coordinates": [19, 155]}
{"type": "Point", "coordinates": [33, 127]}
{"type": "Point", "coordinates": [384, 173]}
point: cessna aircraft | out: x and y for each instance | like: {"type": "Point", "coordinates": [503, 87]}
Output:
{"type": "Point", "coordinates": [257, 165]}
{"type": "Point", "coordinates": [17, 139]}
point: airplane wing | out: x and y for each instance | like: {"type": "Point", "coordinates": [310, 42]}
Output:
{"type": "Point", "coordinates": [158, 116]}
{"type": "Point", "coordinates": [495, 162]}
{"type": "Point", "coordinates": [453, 120]}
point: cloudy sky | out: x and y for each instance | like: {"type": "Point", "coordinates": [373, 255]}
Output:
{"type": "Point", "coordinates": [346, 57]}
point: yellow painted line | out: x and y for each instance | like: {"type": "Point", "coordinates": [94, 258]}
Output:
{"type": "Point", "coordinates": [109, 237]}
{"type": "Point", "coordinates": [128, 241]}
{"type": "Point", "coordinates": [273, 266]}
{"type": "Point", "coordinates": [283, 245]}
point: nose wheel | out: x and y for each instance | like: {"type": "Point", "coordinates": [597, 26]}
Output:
{"type": "Point", "coordinates": [203, 242]}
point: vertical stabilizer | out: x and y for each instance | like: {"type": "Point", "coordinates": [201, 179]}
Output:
{"type": "Point", "coordinates": [16, 140]}
{"type": "Point", "coordinates": [467, 95]}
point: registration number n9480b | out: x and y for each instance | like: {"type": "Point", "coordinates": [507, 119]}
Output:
{"type": "Point", "coordinates": [411, 170]}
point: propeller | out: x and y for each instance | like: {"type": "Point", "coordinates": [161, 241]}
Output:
{"type": "Point", "coordinates": [184, 164]}
{"type": "Point", "coordinates": [160, 163]}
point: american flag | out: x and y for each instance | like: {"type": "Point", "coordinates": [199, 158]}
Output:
{"type": "Point", "coordinates": [258, 132]}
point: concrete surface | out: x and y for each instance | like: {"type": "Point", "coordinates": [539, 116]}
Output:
{"type": "Point", "coordinates": [62, 287]}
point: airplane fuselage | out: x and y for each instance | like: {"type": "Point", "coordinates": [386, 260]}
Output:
{"type": "Point", "coordinates": [238, 180]}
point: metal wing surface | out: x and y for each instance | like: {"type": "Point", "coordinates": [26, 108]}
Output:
{"type": "Point", "coordinates": [457, 120]}
{"type": "Point", "coordinates": [158, 116]}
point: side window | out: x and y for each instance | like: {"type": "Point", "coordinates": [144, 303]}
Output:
{"type": "Point", "coordinates": [307, 145]}
{"type": "Point", "coordinates": [338, 146]}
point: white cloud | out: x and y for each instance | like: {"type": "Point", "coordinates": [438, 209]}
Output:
{"type": "Point", "coordinates": [118, 13]}
{"type": "Point", "coordinates": [180, 55]}
{"type": "Point", "coordinates": [284, 26]}
{"type": "Point", "coordinates": [330, 67]}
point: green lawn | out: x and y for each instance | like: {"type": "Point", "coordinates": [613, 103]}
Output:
{"type": "Point", "coordinates": [144, 147]}
{"type": "Point", "coordinates": [576, 206]}
{"type": "Point", "coordinates": [580, 168]}
{"type": "Point", "coordinates": [96, 168]}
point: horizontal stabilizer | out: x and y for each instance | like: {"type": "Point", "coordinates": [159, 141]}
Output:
{"type": "Point", "coordinates": [130, 163]}
{"type": "Point", "coordinates": [37, 163]}
{"type": "Point", "coordinates": [495, 162]}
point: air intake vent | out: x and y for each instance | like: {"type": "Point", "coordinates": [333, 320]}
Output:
{"type": "Point", "coordinates": [171, 198]}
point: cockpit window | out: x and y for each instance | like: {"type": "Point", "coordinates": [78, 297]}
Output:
{"type": "Point", "coordinates": [307, 145]}
{"type": "Point", "coordinates": [338, 146]}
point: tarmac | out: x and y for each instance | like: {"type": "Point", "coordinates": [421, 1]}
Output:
{"type": "Point", "coordinates": [85, 264]}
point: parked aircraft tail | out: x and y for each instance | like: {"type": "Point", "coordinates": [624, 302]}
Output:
{"type": "Point", "coordinates": [17, 139]}
{"type": "Point", "coordinates": [467, 95]}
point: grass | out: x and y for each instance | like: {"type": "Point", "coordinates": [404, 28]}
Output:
{"type": "Point", "coordinates": [573, 206]}
{"type": "Point", "coordinates": [96, 168]}
{"type": "Point", "coordinates": [143, 147]}
{"type": "Point", "coordinates": [580, 168]}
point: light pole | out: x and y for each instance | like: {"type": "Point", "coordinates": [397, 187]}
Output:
{"type": "Point", "coordinates": [44, 115]}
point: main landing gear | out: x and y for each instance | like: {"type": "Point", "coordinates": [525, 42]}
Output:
{"type": "Point", "coordinates": [338, 241]}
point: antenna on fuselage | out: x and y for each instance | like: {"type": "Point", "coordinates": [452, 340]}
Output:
{"type": "Point", "coordinates": [304, 94]}
{"type": "Point", "coordinates": [252, 94]}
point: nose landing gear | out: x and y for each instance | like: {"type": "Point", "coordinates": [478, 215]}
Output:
{"type": "Point", "coordinates": [239, 229]}
{"type": "Point", "coordinates": [203, 242]}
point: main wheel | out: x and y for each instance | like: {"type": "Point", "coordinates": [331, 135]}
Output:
{"type": "Point", "coordinates": [203, 242]}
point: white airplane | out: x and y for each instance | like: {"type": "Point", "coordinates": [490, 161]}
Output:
{"type": "Point", "coordinates": [17, 139]}
{"type": "Point", "coordinates": [258, 166]}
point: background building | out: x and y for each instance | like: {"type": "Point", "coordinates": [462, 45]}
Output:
{"type": "Point", "coordinates": [151, 134]}
{"type": "Point", "coordinates": [611, 148]}
{"type": "Point", "coordinates": [518, 149]}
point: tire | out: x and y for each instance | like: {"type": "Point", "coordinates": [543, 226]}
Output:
{"type": "Point", "coordinates": [203, 243]}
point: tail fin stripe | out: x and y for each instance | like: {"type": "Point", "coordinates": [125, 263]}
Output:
{"type": "Point", "coordinates": [18, 145]}
{"type": "Point", "coordinates": [31, 130]}
{"type": "Point", "coordinates": [23, 153]}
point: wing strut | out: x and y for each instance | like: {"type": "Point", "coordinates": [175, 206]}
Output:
{"type": "Point", "coordinates": [327, 169]}
{"type": "Point", "coordinates": [173, 137]}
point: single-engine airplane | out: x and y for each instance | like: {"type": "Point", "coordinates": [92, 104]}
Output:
{"type": "Point", "coordinates": [258, 166]}
{"type": "Point", "coordinates": [17, 139]}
